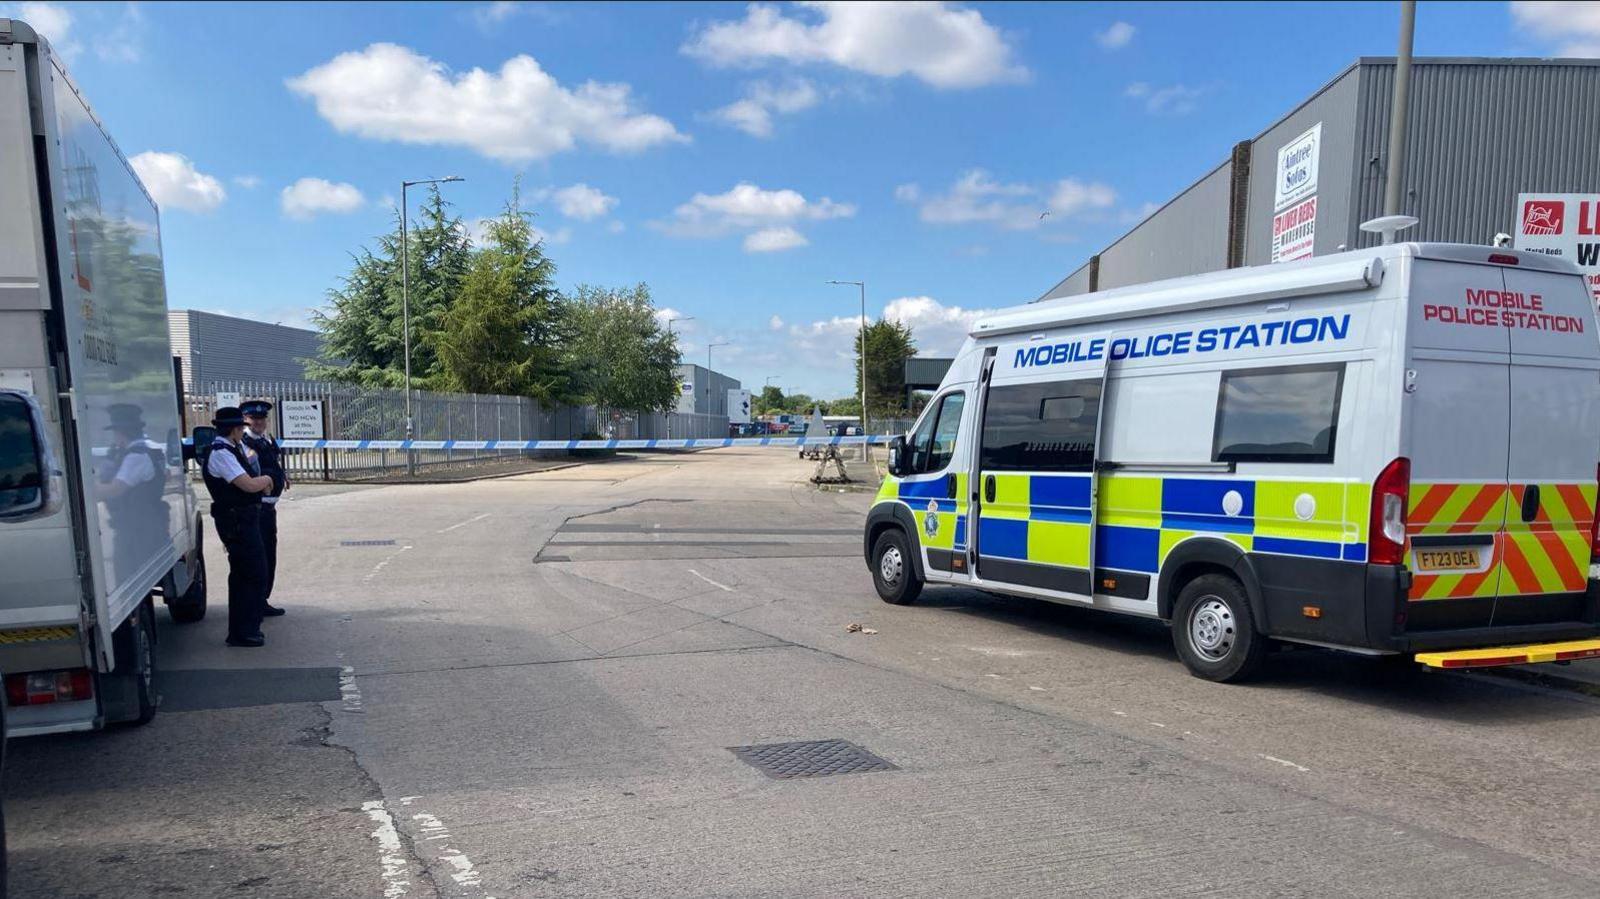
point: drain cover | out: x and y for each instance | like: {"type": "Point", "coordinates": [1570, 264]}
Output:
{"type": "Point", "coordinates": [366, 542]}
{"type": "Point", "coordinates": [810, 758]}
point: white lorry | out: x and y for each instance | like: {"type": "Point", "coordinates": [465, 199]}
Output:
{"type": "Point", "coordinates": [96, 515]}
{"type": "Point", "coordinates": [1390, 451]}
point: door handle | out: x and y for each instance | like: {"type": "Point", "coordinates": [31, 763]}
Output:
{"type": "Point", "coordinates": [988, 489]}
{"type": "Point", "coordinates": [1530, 502]}
{"type": "Point", "coordinates": [950, 486]}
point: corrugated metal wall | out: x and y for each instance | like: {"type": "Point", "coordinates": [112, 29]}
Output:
{"type": "Point", "coordinates": [710, 390]}
{"type": "Point", "coordinates": [1480, 132]}
{"type": "Point", "coordinates": [221, 347]}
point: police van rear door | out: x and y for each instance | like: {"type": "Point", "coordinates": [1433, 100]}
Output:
{"type": "Point", "coordinates": [1555, 443]}
{"type": "Point", "coordinates": [1035, 465]}
{"type": "Point", "coordinates": [1457, 418]}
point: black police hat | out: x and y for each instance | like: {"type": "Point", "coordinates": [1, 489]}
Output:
{"type": "Point", "coordinates": [125, 417]}
{"type": "Point", "coordinates": [255, 407]}
{"type": "Point", "coordinates": [228, 417]}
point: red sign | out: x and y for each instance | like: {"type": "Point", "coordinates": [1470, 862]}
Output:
{"type": "Point", "coordinates": [1543, 216]}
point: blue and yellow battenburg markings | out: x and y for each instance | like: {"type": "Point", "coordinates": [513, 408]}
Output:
{"type": "Point", "coordinates": [1044, 518]}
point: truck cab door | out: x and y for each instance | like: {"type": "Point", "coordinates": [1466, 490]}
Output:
{"type": "Point", "coordinates": [933, 484]}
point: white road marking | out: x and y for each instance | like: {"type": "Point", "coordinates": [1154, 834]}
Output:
{"type": "Point", "coordinates": [462, 872]}
{"type": "Point", "coordinates": [396, 872]}
{"type": "Point", "coordinates": [1286, 763]}
{"type": "Point", "coordinates": [1157, 724]}
{"type": "Point", "coordinates": [386, 560]}
{"type": "Point", "coordinates": [348, 691]}
{"type": "Point", "coordinates": [462, 524]}
{"type": "Point", "coordinates": [723, 587]}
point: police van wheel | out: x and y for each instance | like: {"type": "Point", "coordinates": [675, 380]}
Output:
{"type": "Point", "coordinates": [191, 606]}
{"type": "Point", "coordinates": [892, 571]}
{"type": "Point", "coordinates": [1213, 632]}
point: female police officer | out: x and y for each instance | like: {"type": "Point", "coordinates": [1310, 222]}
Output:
{"type": "Point", "coordinates": [236, 485]}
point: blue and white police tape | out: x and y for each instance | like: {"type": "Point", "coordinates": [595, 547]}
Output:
{"type": "Point", "coordinates": [643, 443]}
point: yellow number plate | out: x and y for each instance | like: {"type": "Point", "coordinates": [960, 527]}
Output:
{"type": "Point", "coordinates": [1447, 559]}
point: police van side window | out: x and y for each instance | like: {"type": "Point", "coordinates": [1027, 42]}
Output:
{"type": "Point", "coordinates": [1041, 427]}
{"type": "Point", "coordinates": [1278, 414]}
{"type": "Point", "coordinates": [934, 443]}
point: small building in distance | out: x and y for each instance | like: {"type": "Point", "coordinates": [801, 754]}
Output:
{"type": "Point", "coordinates": [702, 390]}
{"type": "Point", "coordinates": [216, 347]}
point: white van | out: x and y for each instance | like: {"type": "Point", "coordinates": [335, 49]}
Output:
{"type": "Point", "coordinates": [1393, 450]}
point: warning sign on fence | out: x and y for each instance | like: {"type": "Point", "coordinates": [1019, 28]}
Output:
{"type": "Point", "coordinates": [301, 419]}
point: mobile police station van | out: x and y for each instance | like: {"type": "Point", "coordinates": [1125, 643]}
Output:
{"type": "Point", "coordinates": [1393, 450]}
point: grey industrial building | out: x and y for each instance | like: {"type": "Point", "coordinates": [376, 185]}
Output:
{"type": "Point", "coordinates": [1479, 131]}
{"type": "Point", "coordinates": [704, 391]}
{"type": "Point", "coordinates": [217, 347]}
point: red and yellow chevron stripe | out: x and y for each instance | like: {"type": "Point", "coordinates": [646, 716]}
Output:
{"type": "Point", "coordinates": [1549, 554]}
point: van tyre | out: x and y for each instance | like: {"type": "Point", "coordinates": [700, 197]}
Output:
{"type": "Point", "coordinates": [892, 571]}
{"type": "Point", "coordinates": [1212, 629]}
{"type": "Point", "coordinates": [191, 605]}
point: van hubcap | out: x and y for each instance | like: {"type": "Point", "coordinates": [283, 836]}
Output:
{"type": "Point", "coordinates": [891, 565]}
{"type": "Point", "coordinates": [1211, 629]}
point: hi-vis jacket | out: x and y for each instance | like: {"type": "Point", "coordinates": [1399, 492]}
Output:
{"type": "Point", "coordinates": [1393, 449]}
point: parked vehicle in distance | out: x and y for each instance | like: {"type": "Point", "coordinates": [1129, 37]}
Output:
{"type": "Point", "coordinates": [96, 515]}
{"type": "Point", "coordinates": [1386, 451]}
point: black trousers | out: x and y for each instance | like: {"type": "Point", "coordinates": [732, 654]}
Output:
{"type": "Point", "coordinates": [269, 545]}
{"type": "Point", "coordinates": [240, 532]}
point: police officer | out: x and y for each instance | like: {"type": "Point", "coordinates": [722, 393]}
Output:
{"type": "Point", "coordinates": [236, 488]}
{"type": "Point", "coordinates": [133, 486]}
{"type": "Point", "coordinates": [271, 458]}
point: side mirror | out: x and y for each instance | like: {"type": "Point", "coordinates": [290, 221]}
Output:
{"type": "Point", "coordinates": [199, 439]}
{"type": "Point", "coordinates": [897, 455]}
{"type": "Point", "coordinates": [24, 474]}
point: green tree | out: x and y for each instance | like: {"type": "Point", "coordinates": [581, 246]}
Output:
{"type": "Point", "coordinates": [619, 356]}
{"type": "Point", "coordinates": [363, 324]}
{"type": "Point", "coordinates": [770, 399]}
{"type": "Point", "coordinates": [503, 334]}
{"type": "Point", "coordinates": [849, 405]}
{"type": "Point", "coordinates": [889, 345]}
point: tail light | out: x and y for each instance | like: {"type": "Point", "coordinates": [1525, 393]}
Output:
{"type": "Point", "coordinates": [1386, 533]}
{"type": "Point", "coordinates": [40, 687]}
{"type": "Point", "coordinates": [1594, 526]}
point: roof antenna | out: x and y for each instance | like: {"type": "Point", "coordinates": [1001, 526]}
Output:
{"type": "Point", "coordinates": [1389, 225]}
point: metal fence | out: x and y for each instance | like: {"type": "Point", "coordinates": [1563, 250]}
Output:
{"type": "Point", "coordinates": [350, 412]}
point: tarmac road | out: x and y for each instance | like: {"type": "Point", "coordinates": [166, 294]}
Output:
{"type": "Point", "coordinates": [532, 691]}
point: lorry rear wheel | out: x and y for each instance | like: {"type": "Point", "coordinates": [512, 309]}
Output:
{"type": "Point", "coordinates": [1213, 632]}
{"type": "Point", "coordinates": [191, 606]}
{"type": "Point", "coordinates": [128, 691]}
{"type": "Point", "coordinates": [144, 663]}
{"type": "Point", "coordinates": [892, 571]}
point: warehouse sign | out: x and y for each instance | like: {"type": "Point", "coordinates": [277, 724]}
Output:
{"type": "Point", "coordinates": [1294, 197]}
{"type": "Point", "coordinates": [1566, 226]}
{"type": "Point", "coordinates": [1297, 169]}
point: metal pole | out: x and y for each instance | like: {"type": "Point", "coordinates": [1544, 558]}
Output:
{"type": "Point", "coordinates": [405, 315]}
{"type": "Point", "coordinates": [1399, 104]}
{"type": "Point", "coordinates": [865, 448]}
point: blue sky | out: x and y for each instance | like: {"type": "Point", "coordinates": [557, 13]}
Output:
{"type": "Point", "coordinates": [733, 156]}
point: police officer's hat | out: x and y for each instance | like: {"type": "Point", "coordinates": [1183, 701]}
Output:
{"type": "Point", "coordinates": [255, 407]}
{"type": "Point", "coordinates": [125, 417]}
{"type": "Point", "coordinates": [228, 417]}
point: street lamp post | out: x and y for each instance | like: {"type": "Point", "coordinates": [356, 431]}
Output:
{"type": "Point", "coordinates": [405, 303]}
{"type": "Point", "coordinates": [866, 448]}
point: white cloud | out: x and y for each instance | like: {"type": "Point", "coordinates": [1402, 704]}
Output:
{"type": "Point", "coordinates": [124, 42]}
{"type": "Point", "coordinates": [753, 114]}
{"type": "Point", "coordinates": [52, 20]}
{"type": "Point", "coordinates": [773, 240]}
{"type": "Point", "coordinates": [767, 216]}
{"type": "Point", "coordinates": [248, 182]}
{"type": "Point", "coordinates": [775, 323]}
{"type": "Point", "coordinates": [977, 198]}
{"type": "Point", "coordinates": [1572, 27]}
{"type": "Point", "coordinates": [176, 184]}
{"type": "Point", "coordinates": [582, 202]}
{"type": "Point", "coordinates": [616, 227]}
{"type": "Point", "coordinates": [491, 14]}
{"type": "Point", "coordinates": [518, 114]}
{"type": "Point", "coordinates": [939, 329]}
{"type": "Point", "coordinates": [555, 238]}
{"type": "Point", "coordinates": [308, 197]}
{"type": "Point", "coordinates": [1174, 99]}
{"type": "Point", "coordinates": [1115, 37]}
{"type": "Point", "coordinates": [944, 45]}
